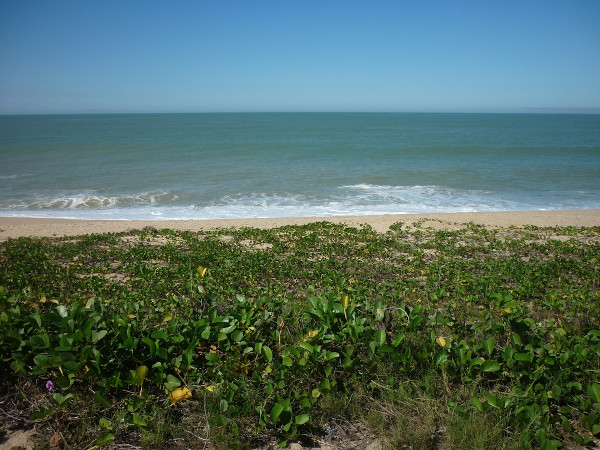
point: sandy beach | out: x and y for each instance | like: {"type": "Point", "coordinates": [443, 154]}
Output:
{"type": "Point", "coordinates": [13, 227]}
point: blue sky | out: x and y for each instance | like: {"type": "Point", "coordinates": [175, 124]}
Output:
{"type": "Point", "coordinates": [209, 56]}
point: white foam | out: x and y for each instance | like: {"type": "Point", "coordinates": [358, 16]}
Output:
{"type": "Point", "coordinates": [15, 176]}
{"type": "Point", "coordinates": [359, 199]}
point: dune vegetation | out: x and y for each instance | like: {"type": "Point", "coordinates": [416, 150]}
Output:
{"type": "Point", "coordinates": [478, 337]}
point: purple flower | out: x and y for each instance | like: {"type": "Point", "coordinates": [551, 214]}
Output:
{"type": "Point", "coordinates": [49, 385]}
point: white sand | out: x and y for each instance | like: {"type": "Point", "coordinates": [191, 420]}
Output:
{"type": "Point", "coordinates": [13, 227]}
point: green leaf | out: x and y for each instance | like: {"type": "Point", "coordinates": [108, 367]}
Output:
{"type": "Point", "coordinates": [594, 392]}
{"type": "Point", "coordinates": [159, 334]}
{"type": "Point", "coordinates": [287, 361]}
{"type": "Point", "coordinates": [301, 419]}
{"type": "Point", "coordinates": [516, 338]}
{"type": "Point", "coordinates": [40, 340]}
{"type": "Point", "coordinates": [105, 423]}
{"type": "Point", "coordinates": [61, 399]}
{"type": "Point", "coordinates": [348, 363]}
{"type": "Point", "coordinates": [151, 345]}
{"type": "Point", "coordinates": [237, 336]}
{"type": "Point", "coordinates": [139, 420]}
{"type": "Point", "coordinates": [223, 405]}
{"type": "Point", "coordinates": [40, 360]}
{"type": "Point", "coordinates": [228, 329]}
{"type": "Point", "coordinates": [276, 411]}
{"type": "Point", "coordinates": [526, 357]}
{"type": "Point", "coordinates": [549, 444]}
{"type": "Point", "coordinates": [35, 316]}
{"type": "Point", "coordinates": [493, 401]}
{"type": "Point", "coordinates": [97, 335]}
{"type": "Point", "coordinates": [397, 340]}
{"type": "Point", "coordinates": [106, 439]}
{"type": "Point", "coordinates": [373, 346]}
{"type": "Point", "coordinates": [380, 337]}
{"type": "Point", "coordinates": [441, 358]}
{"type": "Point", "coordinates": [100, 400]}
{"type": "Point", "coordinates": [286, 418]}
{"type": "Point", "coordinates": [488, 346]}
{"type": "Point", "coordinates": [213, 357]}
{"type": "Point", "coordinates": [41, 414]}
{"type": "Point", "coordinates": [306, 346]}
{"type": "Point", "coordinates": [490, 365]}
{"type": "Point", "coordinates": [172, 383]}
{"type": "Point", "coordinates": [331, 355]}
{"type": "Point", "coordinates": [267, 353]}
{"type": "Point", "coordinates": [324, 386]}
{"type": "Point", "coordinates": [476, 361]}
{"type": "Point", "coordinates": [508, 353]}
{"type": "Point", "coordinates": [477, 404]}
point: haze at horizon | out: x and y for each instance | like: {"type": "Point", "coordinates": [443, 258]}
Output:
{"type": "Point", "coordinates": [85, 57]}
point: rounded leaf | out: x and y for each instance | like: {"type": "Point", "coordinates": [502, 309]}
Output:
{"type": "Point", "coordinates": [490, 365]}
{"type": "Point", "coordinates": [301, 419]}
{"type": "Point", "coordinates": [594, 392]}
{"type": "Point", "coordinates": [267, 353]}
{"type": "Point", "coordinates": [276, 411]}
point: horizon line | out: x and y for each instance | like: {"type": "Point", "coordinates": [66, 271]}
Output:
{"type": "Point", "coordinates": [527, 110]}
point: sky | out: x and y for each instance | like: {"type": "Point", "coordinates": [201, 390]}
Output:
{"type": "Point", "coordinates": [256, 56]}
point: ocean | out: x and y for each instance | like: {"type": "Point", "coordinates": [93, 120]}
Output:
{"type": "Point", "coordinates": [208, 166]}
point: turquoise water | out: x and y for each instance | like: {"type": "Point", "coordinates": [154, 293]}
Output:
{"type": "Point", "coordinates": [200, 166]}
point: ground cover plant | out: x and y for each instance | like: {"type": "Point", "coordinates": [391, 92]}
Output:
{"type": "Point", "coordinates": [469, 337]}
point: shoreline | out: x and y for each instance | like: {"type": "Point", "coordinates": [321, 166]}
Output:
{"type": "Point", "coordinates": [14, 227]}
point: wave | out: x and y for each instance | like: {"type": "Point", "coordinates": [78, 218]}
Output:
{"type": "Point", "coordinates": [89, 201]}
{"type": "Point", "coordinates": [14, 176]}
{"type": "Point", "coordinates": [358, 199]}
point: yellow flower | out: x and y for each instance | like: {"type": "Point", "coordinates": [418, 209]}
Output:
{"type": "Point", "coordinates": [179, 394]}
{"type": "Point", "coordinates": [441, 341]}
{"type": "Point", "coordinates": [201, 271]}
{"type": "Point", "coordinates": [311, 334]}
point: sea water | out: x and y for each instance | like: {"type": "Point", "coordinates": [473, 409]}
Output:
{"type": "Point", "coordinates": [206, 166]}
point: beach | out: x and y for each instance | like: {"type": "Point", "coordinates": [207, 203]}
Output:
{"type": "Point", "coordinates": [14, 227]}
{"type": "Point", "coordinates": [398, 304]}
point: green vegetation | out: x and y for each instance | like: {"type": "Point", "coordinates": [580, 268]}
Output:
{"type": "Point", "coordinates": [236, 338]}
